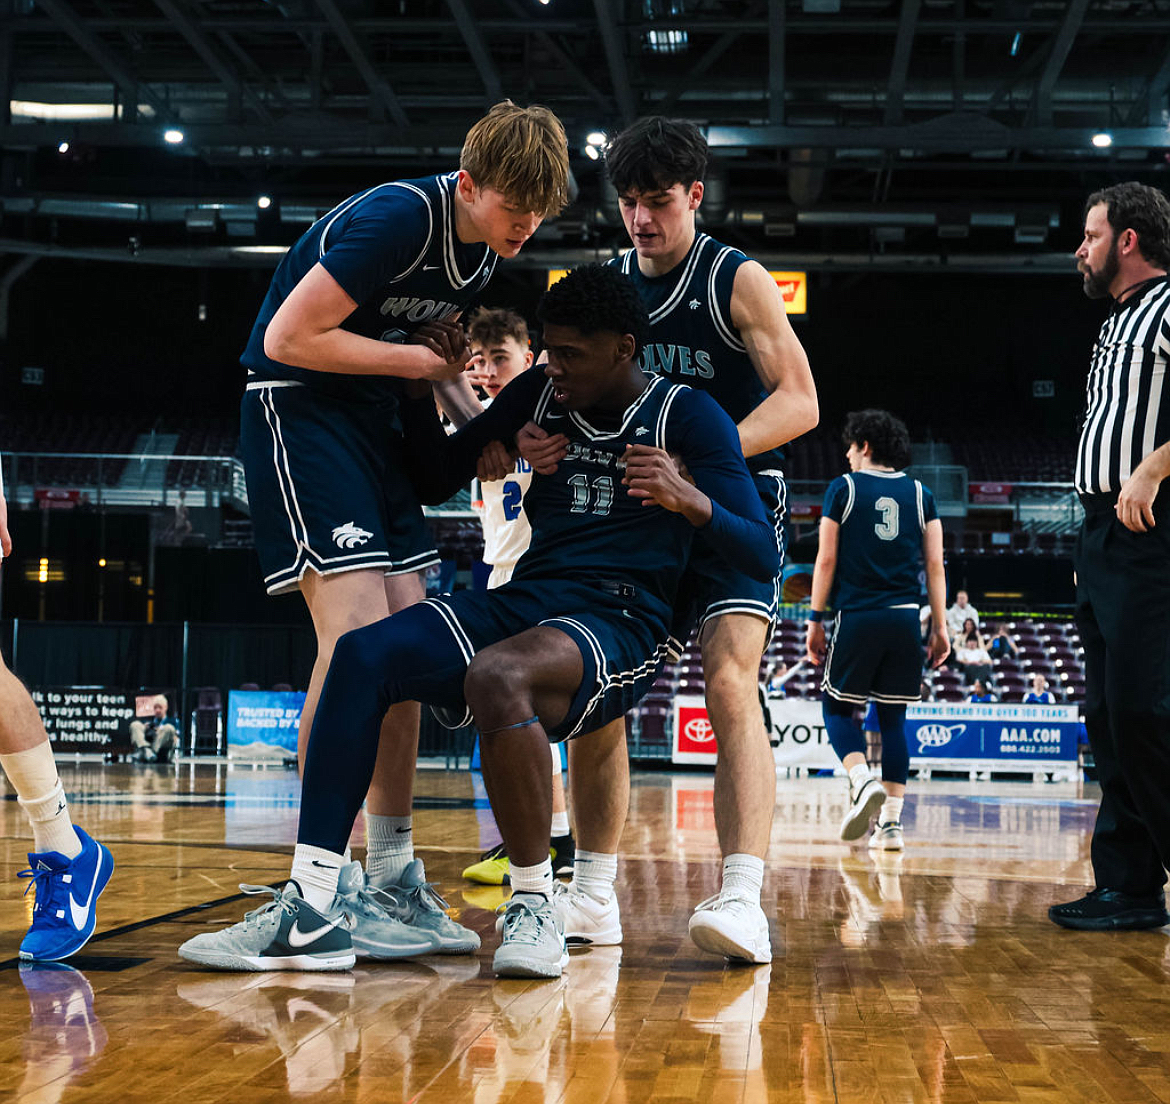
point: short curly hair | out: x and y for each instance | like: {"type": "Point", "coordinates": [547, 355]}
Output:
{"type": "Point", "coordinates": [656, 153]}
{"type": "Point", "coordinates": [887, 436]}
{"type": "Point", "coordinates": [1142, 209]}
{"type": "Point", "coordinates": [596, 298]}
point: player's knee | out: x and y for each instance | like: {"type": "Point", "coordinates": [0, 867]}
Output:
{"type": "Point", "coordinates": [361, 654]}
{"type": "Point", "coordinates": [494, 688]}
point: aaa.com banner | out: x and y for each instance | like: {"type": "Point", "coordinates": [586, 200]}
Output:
{"type": "Point", "coordinates": [960, 730]}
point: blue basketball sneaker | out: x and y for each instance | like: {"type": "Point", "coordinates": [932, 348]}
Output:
{"type": "Point", "coordinates": [67, 891]}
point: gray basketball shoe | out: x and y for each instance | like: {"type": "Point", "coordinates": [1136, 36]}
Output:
{"type": "Point", "coordinates": [415, 902]}
{"type": "Point", "coordinates": [533, 945]}
{"type": "Point", "coordinates": [377, 933]}
{"type": "Point", "coordinates": [285, 934]}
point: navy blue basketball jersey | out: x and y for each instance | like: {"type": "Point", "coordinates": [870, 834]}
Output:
{"type": "Point", "coordinates": [394, 251]}
{"type": "Point", "coordinates": [692, 340]}
{"type": "Point", "coordinates": [585, 525]}
{"type": "Point", "coordinates": [879, 553]}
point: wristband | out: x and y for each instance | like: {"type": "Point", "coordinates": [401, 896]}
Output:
{"type": "Point", "coordinates": [816, 615]}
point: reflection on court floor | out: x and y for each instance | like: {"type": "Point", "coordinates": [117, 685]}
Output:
{"type": "Point", "coordinates": [929, 976]}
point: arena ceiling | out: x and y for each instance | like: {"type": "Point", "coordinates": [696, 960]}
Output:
{"type": "Point", "coordinates": [847, 133]}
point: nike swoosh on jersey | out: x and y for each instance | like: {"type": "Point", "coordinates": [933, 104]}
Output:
{"type": "Point", "coordinates": [298, 938]}
{"type": "Point", "coordinates": [80, 913]}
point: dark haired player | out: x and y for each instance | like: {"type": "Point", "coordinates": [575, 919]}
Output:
{"type": "Point", "coordinates": [570, 643]}
{"type": "Point", "coordinates": [364, 301]}
{"type": "Point", "coordinates": [717, 324]}
{"type": "Point", "coordinates": [879, 532]}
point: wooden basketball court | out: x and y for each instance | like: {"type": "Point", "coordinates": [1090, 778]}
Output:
{"type": "Point", "coordinates": [929, 977]}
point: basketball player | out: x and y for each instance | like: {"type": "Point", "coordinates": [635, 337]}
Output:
{"type": "Point", "coordinates": [69, 869]}
{"type": "Point", "coordinates": [365, 300]}
{"type": "Point", "coordinates": [717, 323]}
{"type": "Point", "coordinates": [573, 641]}
{"type": "Point", "coordinates": [500, 351]}
{"type": "Point", "coordinates": [879, 531]}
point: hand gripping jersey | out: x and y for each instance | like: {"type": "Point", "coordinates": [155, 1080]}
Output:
{"type": "Point", "coordinates": [585, 526]}
{"type": "Point", "coordinates": [692, 340]}
{"type": "Point", "coordinates": [394, 251]}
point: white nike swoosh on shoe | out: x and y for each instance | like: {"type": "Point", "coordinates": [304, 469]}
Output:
{"type": "Point", "coordinates": [80, 913]}
{"type": "Point", "coordinates": [298, 938]}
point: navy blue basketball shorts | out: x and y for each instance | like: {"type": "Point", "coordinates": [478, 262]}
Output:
{"type": "Point", "coordinates": [711, 588]}
{"type": "Point", "coordinates": [875, 654]}
{"type": "Point", "coordinates": [622, 646]}
{"type": "Point", "coordinates": [326, 487]}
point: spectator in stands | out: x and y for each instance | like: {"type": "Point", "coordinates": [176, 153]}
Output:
{"type": "Point", "coordinates": [1003, 646]}
{"type": "Point", "coordinates": [980, 694]}
{"type": "Point", "coordinates": [926, 691]}
{"type": "Point", "coordinates": [971, 653]}
{"type": "Point", "coordinates": [181, 525]}
{"type": "Point", "coordinates": [155, 738]}
{"type": "Point", "coordinates": [959, 612]}
{"type": "Point", "coordinates": [1039, 694]}
{"type": "Point", "coordinates": [69, 869]}
{"type": "Point", "coordinates": [774, 679]}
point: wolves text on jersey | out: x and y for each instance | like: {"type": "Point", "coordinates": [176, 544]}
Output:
{"type": "Point", "coordinates": [415, 309]}
{"type": "Point", "coordinates": [677, 360]}
{"type": "Point", "coordinates": [589, 455]}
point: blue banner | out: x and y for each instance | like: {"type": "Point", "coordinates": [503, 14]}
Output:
{"type": "Point", "coordinates": [262, 724]}
{"type": "Point", "coordinates": [959, 730]}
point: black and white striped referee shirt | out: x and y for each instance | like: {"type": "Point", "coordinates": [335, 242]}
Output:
{"type": "Point", "coordinates": [1127, 415]}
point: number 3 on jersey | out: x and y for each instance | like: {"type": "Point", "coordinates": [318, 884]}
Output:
{"type": "Point", "coordinates": [513, 500]}
{"type": "Point", "coordinates": [602, 494]}
{"type": "Point", "coordinates": [887, 528]}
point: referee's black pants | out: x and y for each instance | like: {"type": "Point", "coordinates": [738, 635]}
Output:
{"type": "Point", "coordinates": [1123, 613]}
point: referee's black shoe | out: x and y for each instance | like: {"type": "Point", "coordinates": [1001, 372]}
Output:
{"type": "Point", "coordinates": [1111, 910]}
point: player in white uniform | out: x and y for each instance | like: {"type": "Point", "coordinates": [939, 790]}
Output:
{"type": "Point", "coordinates": [500, 351]}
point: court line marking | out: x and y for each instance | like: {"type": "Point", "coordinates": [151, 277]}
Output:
{"type": "Point", "coordinates": [138, 925]}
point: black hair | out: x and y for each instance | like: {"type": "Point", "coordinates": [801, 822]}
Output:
{"type": "Point", "coordinates": [656, 153]}
{"type": "Point", "coordinates": [888, 437]}
{"type": "Point", "coordinates": [1142, 209]}
{"type": "Point", "coordinates": [597, 297]}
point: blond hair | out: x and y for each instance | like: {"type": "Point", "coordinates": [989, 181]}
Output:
{"type": "Point", "coordinates": [522, 153]}
{"type": "Point", "coordinates": [489, 327]}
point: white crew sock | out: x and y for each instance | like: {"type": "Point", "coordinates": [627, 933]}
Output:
{"type": "Point", "coordinates": [533, 879]}
{"type": "Point", "coordinates": [316, 871]}
{"type": "Point", "coordinates": [743, 877]}
{"type": "Point", "coordinates": [858, 776]}
{"type": "Point", "coordinates": [33, 775]}
{"type": "Point", "coordinates": [595, 873]}
{"type": "Point", "coordinates": [560, 824]}
{"type": "Point", "coordinates": [891, 812]}
{"type": "Point", "coordinates": [389, 848]}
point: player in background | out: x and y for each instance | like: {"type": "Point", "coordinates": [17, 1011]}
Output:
{"type": "Point", "coordinates": [879, 532]}
{"type": "Point", "coordinates": [500, 351]}
{"type": "Point", "coordinates": [366, 300]}
{"type": "Point", "coordinates": [717, 324]}
{"type": "Point", "coordinates": [69, 870]}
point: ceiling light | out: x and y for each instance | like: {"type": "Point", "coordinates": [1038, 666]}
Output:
{"type": "Point", "coordinates": [592, 152]}
{"type": "Point", "coordinates": [1102, 140]}
{"type": "Point", "coordinates": [264, 202]}
{"type": "Point", "coordinates": [595, 137]}
{"type": "Point", "coordinates": [173, 136]}
{"type": "Point", "coordinates": [62, 147]}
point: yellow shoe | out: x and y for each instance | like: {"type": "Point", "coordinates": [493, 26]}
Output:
{"type": "Point", "coordinates": [493, 868]}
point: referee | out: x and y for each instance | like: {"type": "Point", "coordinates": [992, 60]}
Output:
{"type": "Point", "coordinates": [1123, 559]}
